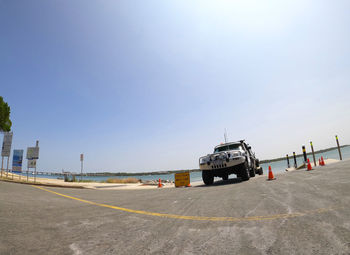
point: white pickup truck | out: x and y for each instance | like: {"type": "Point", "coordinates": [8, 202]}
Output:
{"type": "Point", "coordinates": [230, 158]}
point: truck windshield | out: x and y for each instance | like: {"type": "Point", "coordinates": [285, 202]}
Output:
{"type": "Point", "coordinates": [236, 146]}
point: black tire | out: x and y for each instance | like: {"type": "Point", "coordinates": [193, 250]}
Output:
{"type": "Point", "coordinates": [244, 172]}
{"type": "Point", "coordinates": [225, 177]}
{"type": "Point", "coordinates": [261, 172]}
{"type": "Point", "coordinates": [208, 177]}
{"type": "Point", "coordinates": [252, 172]}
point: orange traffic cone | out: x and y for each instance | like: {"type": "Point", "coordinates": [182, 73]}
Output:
{"type": "Point", "coordinates": [322, 161]}
{"type": "Point", "coordinates": [271, 177]}
{"type": "Point", "coordinates": [309, 167]}
{"type": "Point", "coordinates": [160, 183]}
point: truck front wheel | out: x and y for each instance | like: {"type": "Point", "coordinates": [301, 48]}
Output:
{"type": "Point", "coordinates": [252, 172]}
{"type": "Point", "coordinates": [208, 177]}
{"type": "Point", "coordinates": [244, 173]}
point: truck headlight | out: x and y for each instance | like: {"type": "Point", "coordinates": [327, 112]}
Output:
{"type": "Point", "coordinates": [202, 161]}
{"type": "Point", "coordinates": [237, 154]}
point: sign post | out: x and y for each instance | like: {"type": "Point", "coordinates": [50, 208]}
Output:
{"type": "Point", "coordinates": [2, 165]}
{"type": "Point", "coordinates": [295, 160]}
{"type": "Point", "coordinates": [36, 146]}
{"type": "Point", "coordinates": [7, 167]}
{"type": "Point", "coordinates": [304, 153]}
{"type": "Point", "coordinates": [340, 157]}
{"type": "Point", "coordinates": [313, 152]}
{"type": "Point", "coordinates": [27, 171]}
{"type": "Point", "coordinates": [6, 149]}
{"type": "Point", "coordinates": [81, 169]}
{"type": "Point", "coordinates": [32, 156]}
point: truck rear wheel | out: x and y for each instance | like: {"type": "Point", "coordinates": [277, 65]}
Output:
{"type": "Point", "coordinates": [208, 177]}
{"type": "Point", "coordinates": [225, 177]}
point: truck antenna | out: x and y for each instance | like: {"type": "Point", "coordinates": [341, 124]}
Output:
{"type": "Point", "coordinates": [225, 136]}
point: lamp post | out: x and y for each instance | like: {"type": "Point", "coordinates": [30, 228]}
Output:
{"type": "Point", "coordinates": [81, 169]}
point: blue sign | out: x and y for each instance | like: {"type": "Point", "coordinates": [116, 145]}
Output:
{"type": "Point", "coordinates": [17, 160]}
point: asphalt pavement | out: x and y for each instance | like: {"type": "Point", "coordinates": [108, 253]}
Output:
{"type": "Point", "coordinates": [301, 212]}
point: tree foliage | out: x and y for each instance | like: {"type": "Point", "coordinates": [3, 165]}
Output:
{"type": "Point", "coordinates": [5, 122]}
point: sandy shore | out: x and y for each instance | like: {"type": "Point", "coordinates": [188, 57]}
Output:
{"type": "Point", "coordinates": [11, 177]}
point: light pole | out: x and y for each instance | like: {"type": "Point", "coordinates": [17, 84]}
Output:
{"type": "Point", "coordinates": [81, 169]}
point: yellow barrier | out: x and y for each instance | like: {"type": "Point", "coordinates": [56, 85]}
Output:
{"type": "Point", "coordinates": [182, 179]}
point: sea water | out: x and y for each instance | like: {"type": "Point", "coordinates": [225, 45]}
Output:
{"type": "Point", "coordinates": [277, 167]}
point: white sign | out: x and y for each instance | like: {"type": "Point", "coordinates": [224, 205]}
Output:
{"type": "Point", "coordinates": [31, 163]}
{"type": "Point", "coordinates": [32, 153]}
{"type": "Point", "coordinates": [81, 157]}
{"type": "Point", "coordinates": [6, 144]}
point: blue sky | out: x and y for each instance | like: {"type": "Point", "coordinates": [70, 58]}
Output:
{"type": "Point", "coordinates": [152, 85]}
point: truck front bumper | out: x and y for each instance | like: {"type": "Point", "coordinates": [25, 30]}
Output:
{"type": "Point", "coordinates": [222, 163]}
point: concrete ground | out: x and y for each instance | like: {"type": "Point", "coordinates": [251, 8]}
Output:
{"type": "Point", "coordinates": [298, 213]}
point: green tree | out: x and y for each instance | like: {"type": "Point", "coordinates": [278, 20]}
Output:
{"type": "Point", "coordinates": [5, 122]}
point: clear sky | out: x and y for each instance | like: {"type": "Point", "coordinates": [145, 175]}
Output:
{"type": "Point", "coordinates": [152, 85]}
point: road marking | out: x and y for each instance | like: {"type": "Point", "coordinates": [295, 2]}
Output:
{"type": "Point", "coordinates": [198, 218]}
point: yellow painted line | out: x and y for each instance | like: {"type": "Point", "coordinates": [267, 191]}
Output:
{"type": "Point", "coordinates": [202, 218]}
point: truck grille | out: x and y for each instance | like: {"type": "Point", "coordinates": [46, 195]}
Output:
{"type": "Point", "coordinates": [218, 166]}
